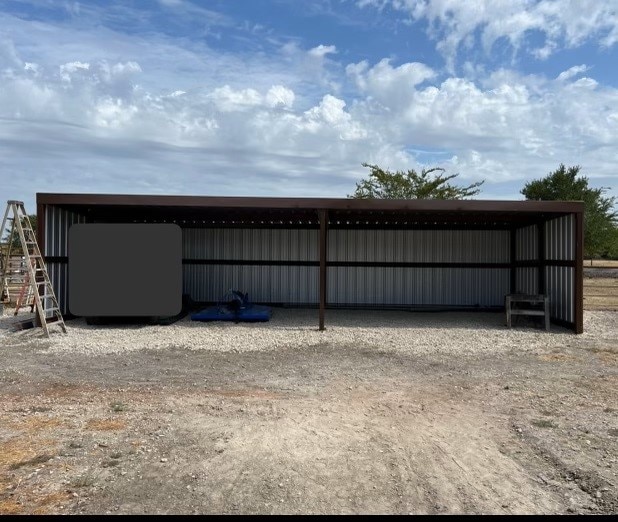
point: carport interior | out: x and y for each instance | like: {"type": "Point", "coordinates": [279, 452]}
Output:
{"type": "Point", "coordinates": [353, 253]}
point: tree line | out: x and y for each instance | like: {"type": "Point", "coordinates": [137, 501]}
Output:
{"type": "Point", "coordinates": [563, 184]}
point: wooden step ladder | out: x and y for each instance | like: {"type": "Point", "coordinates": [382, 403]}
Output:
{"type": "Point", "coordinates": [36, 278]}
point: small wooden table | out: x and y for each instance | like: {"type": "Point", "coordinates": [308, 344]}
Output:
{"type": "Point", "coordinates": [541, 309]}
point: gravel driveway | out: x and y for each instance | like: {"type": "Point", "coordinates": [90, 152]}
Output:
{"type": "Point", "coordinates": [384, 412]}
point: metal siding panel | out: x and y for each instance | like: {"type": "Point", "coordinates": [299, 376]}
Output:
{"type": "Point", "coordinates": [526, 240]}
{"type": "Point", "coordinates": [250, 244]}
{"type": "Point", "coordinates": [273, 284]}
{"type": "Point", "coordinates": [559, 238]}
{"type": "Point", "coordinates": [526, 280]}
{"type": "Point", "coordinates": [417, 286]}
{"type": "Point", "coordinates": [57, 225]}
{"type": "Point", "coordinates": [419, 246]}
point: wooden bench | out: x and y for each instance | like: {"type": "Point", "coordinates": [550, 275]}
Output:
{"type": "Point", "coordinates": [537, 304]}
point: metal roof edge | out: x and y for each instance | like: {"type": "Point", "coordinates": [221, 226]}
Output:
{"type": "Point", "coordinates": [428, 205]}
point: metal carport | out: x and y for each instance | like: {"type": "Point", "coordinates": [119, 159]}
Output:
{"type": "Point", "coordinates": [347, 252]}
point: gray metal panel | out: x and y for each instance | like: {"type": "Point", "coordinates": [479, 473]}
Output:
{"type": "Point", "coordinates": [57, 224]}
{"type": "Point", "coordinates": [560, 287]}
{"type": "Point", "coordinates": [560, 238]}
{"type": "Point", "coordinates": [526, 280]}
{"type": "Point", "coordinates": [272, 284]}
{"type": "Point", "coordinates": [560, 280]}
{"type": "Point", "coordinates": [464, 246]}
{"type": "Point", "coordinates": [526, 243]}
{"type": "Point", "coordinates": [259, 244]}
{"type": "Point", "coordinates": [59, 276]}
{"type": "Point", "coordinates": [417, 286]}
{"type": "Point", "coordinates": [285, 284]}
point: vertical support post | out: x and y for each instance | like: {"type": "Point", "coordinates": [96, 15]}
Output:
{"type": "Point", "coordinates": [323, 246]}
{"type": "Point", "coordinates": [540, 234]}
{"type": "Point", "coordinates": [578, 294]}
{"type": "Point", "coordinates": [513, 284]}
{"type": "Point", "coordinates": [40, 228]}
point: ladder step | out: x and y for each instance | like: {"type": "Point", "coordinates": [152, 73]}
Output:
{"type": "Point", "coordinates": [33, 278]}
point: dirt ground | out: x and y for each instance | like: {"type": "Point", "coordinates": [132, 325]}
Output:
{"type": "Point", "coordinates": [310, 430]}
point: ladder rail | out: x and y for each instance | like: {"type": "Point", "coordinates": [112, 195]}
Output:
{"type": "Point", "coordinates": [35, 265]}
{"type": "Point", "coordinates": [6, 268]}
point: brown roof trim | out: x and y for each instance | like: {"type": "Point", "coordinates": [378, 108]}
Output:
{"type": "Point", "coordinates": [427, 205]}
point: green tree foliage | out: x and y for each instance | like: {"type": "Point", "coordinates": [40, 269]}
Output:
{"type": "Point", "coordinates": [429, 184]}
{"type": "Point", "coordinates": [16, 244]}
{"type": "Point", "coordinates": [600, 217]}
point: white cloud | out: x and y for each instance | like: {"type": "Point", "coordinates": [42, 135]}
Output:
{"type": "Point", "coordinates": [150, 116]}
{"type": "Point", "coordinates": [67, 69]}
{"type": "Point", "coordinates": [278, 95]}
{"type": "Point", "coordinates": [563, 23]}
{"type": "Point", "coordinates": [571, 72]}
{"type": "Point", "coordinates": [322, 50]}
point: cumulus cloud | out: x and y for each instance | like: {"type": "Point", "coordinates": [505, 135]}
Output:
{"type": "Point", "coordinates": [322, 50]}
{"type": "Point", "coordinates": [563, 23]}
{"type": "Point", "coordinates": [252, 125]}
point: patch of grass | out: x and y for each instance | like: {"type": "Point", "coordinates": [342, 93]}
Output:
{"type": "Point", "coordinates": [117, 406]}
{"type": "Point", "coordinates": [543, 423]}
{"type": "Point", "coordinates": [39, 409]}
{"type": "Point", "coordinates": [84, 481]}
{"type": "Point", "coordinates": [23, 449]}
{"type": "Point", "coordinates": [39, 459]}
{"type": "Point", "coordinates": [10, 507]}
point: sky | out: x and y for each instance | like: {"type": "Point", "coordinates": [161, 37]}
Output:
{"type": "Point", "coordinates": [290, 98]}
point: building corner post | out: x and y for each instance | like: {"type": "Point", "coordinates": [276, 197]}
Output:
{"type": "Point", "coordinates": [323, 254]}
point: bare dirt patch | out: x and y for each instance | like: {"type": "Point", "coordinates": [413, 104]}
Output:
{"type": "Point", "coordinates": [337, 427]}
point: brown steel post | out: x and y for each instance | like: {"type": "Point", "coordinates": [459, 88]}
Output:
{"type": "Point", "coordinates": [578, 294]}
{"type": "Point", "coordinates": [40, 228]}
{"type": "Point", "coordinates": [513, 283]}
{"type": "Point", "coordinates": [323, 246]}
{"type": "Point", "coordinates": [541, 285]}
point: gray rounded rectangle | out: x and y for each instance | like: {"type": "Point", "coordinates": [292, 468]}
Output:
{"type": "Point", "coordinates": [125, 269]}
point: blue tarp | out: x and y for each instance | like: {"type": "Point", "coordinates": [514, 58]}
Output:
{"type": "Point", "coordinates": [235, 306]}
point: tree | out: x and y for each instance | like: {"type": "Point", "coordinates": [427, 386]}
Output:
{"type": "Point", "coordinates": [16, 243]}
{"type": "Point", "coordinates": [600, 217]}
{"type": "Point", "coordinates": [384, 184]}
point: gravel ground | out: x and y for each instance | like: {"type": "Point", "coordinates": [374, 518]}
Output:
{"type": "Point", "coordinates": [383, 413]}
{"type": "Point", "coordinates": [388, 331]}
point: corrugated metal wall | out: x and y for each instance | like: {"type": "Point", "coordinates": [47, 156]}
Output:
{"type": "Point", "coordinates": [437, 246]}
{"type": "Point", "coordinates": [257, 244]}
{"type": "Point", "coordinates": [418, 286]}
{"type": "Point", "coordinates": [298, 284]}
{"type": "Point", "coordinates": [526, 249]}
{"type": "Point", "coordinates": [349, 285]}
{"type": "Point", "coordinates": [560, 280]}
{"type": "Point", "coordinates": [57, 224]}
{"type": "Point", "coordinates": [264, 283]}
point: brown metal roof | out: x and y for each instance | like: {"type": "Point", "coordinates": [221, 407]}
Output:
{"type": "Point", "coordinates": [260, 211]}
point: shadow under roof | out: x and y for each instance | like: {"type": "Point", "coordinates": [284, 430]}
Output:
{"type": "Point", "coordinates": [209, 211]}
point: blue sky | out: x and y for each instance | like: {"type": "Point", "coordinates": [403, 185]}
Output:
{"type": "Point", "coordinates": [289, 98]}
